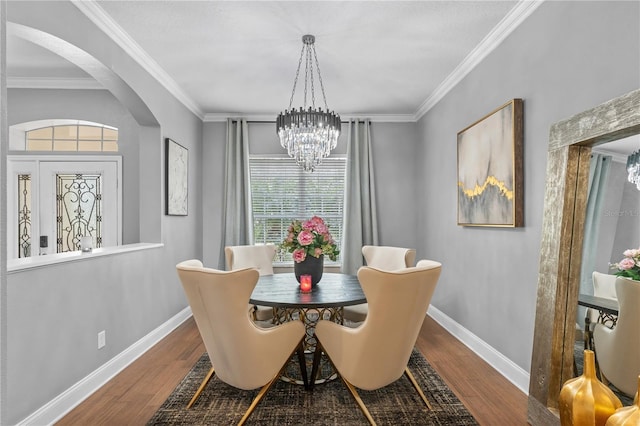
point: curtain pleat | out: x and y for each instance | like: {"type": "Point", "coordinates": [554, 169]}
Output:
{"type": "Point", "coordinates": [236, 208]}
{"type": "Point", "coordinates": [360, 215]}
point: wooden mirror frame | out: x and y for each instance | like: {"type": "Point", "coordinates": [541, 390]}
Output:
{"type": "Point", "coordinates": [570, 143]}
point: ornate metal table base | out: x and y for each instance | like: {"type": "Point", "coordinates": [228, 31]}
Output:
{"type": "Point", "coordinates": [310, 317]}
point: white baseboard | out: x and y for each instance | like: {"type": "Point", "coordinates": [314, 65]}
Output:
{"type": "Point", "coordinates": [55, 409]}
{"type": "Point", "coordinates": [511, 371]}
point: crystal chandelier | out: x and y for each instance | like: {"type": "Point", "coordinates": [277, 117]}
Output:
{"type": "Point", "coordinates": [633, 167]}
{"type": "Point", "coordinates": [308, 134]}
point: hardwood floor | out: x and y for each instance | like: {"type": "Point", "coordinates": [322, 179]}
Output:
{"type": "Point", "coordinates": [135, 394]}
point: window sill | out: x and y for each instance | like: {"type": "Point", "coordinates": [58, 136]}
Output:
{"type": "Point", "coordinates": [287, 267]}
{"type": "Point", "coordinates": [17, 265]}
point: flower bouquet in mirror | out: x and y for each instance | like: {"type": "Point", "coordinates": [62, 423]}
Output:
{"type": "Point", "coordinates": [629, 266]}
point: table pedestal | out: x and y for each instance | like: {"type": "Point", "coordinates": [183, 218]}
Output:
{"type": "Point", "coordinates": [309, 317]}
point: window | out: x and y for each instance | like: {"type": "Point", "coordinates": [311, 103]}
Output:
{"type": "Point", "coordinates": [64, 136]}
{"type": "Point", "coordinates": [281, 192]}
{"type": "Point", "coordinates": [72, 138]}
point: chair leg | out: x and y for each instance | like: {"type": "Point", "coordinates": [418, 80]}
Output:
{"type": "Point", "coordinates": [350, 387]}
{"type": "Point", "coordinates": [415, 385]}
{"type": "Point", "coordinates": [201, 388]}
{"type": "Point", "coordinates": [303, 365]}
{"type": "Point", "coordinates": [263, 391]}
{"type": "Point", "coordinates": [356, 396]}
{"type": "Point", "coordinates": [257, 400]}
{"type": "Point", "coordinates": [316, 363]}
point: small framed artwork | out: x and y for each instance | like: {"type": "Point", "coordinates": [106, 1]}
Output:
{"type": "Point", "coordinates": [177, 179]}
{"type": "Point", "coordinates": [490, 181]}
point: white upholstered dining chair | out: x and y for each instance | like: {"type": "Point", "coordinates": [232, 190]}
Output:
{"type": "Point", "coordinates": [242, 355]}
{"type": "Point", "coordinates": [618, 348]}
{"type": "Point", "coordinates": [376, 353]}
{"type": "Point", "coordinates": [604, 285]}
{"type": "Point", "coordinates": [259, 257]}
{"type": "Point", "coordinates": [387, 259]}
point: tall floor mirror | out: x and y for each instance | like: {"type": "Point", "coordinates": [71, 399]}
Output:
{"type": "Point", "coordinates": [565, 211]}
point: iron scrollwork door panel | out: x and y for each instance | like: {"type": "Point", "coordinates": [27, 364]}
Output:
{"type": "Point", "coordinates": [82, 200]}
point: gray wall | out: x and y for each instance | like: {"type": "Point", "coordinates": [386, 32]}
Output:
{"type": "Point", "coordinates": [565, 58]}
{"type": "Point", "coordinates": [96, 106]}
{"type": "Point", "coordinates": [54, 313]}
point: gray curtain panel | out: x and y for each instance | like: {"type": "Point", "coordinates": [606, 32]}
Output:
{"type": "Point", "coordinates": [360, 216]}
{"type": "Point", "coordinates": [236, 208]}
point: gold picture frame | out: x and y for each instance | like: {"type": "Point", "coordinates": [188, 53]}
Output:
{"type": "Point", "coordinates": [490, 175]}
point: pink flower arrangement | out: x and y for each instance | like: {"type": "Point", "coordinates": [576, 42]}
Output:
{"type": "Point", "coordinates": [629, 266]}
{"type": "Point", "coordinates": [309, 238]}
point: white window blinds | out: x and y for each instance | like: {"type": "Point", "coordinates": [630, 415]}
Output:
{"type": "Point", "coordinates": [281, 192]}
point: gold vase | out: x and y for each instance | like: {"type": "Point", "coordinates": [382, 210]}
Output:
{"type": "Point", "coordinates": [627, 416]}
{"type": "Point", "coordinates": [585, 400]}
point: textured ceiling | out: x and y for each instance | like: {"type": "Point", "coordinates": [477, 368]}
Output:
{"type": "Point", "coordinates": [376, 57]}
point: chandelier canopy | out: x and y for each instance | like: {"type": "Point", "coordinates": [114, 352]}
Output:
{"type": "Point", "coordinates": [633, 167]}
{"type": "Point", "coordinates": [308, 134]}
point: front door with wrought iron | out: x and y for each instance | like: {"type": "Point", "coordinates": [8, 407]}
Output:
{"type": "Point", "coordinates": [53, 204]}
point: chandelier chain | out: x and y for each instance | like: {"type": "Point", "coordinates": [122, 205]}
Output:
{"type": "Point", "coordinates": [310, 61]}
{"type": "Point", "coordinates": [295, 81]}
{"type": "Point", "coordinates": [306, 75]}
{"type": "Point", "coordinates": [324, 97]}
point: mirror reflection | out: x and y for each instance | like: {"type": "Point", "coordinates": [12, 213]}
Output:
{"type": "Point", "coordinates": [612, 226]}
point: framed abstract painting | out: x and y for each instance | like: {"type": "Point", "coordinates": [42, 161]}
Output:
{"type": "Point", "coordinates": [490, 175]}
{"type": "Point", "coordinates": [177, 179]}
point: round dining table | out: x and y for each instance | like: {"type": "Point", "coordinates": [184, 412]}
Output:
{"type": "Point", "coordinates": [325, 301]}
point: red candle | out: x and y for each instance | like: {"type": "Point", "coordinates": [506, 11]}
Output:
{"type": "Point", "coordinates": [305, 283]}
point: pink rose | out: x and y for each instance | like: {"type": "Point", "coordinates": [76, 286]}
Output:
{"type": "Point", "coordinates": [305, 238]}
{"type": "Point", "coordinates": [317, 252]}
{"type": "Point", "coordinates": [299, 255]}
{"type": "Point", "coordinates": [626, 264]}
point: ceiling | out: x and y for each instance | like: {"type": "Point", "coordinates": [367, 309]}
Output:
{"type": "Point", "coordinates": [386, 60]}
{"type": "Point", "coordinates": [240, 57]}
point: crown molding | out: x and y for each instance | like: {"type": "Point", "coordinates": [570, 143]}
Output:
{"type": "Point", "coordinates": [53, 83]}
{"type": "Point", "coordinates": [105, 22]}
{"type": "Point", "coordinates": [374, 118]}
{"type": "Point", "coordinates": [510, 22]}
{"type": "Point", "coordinates": [615, 156]}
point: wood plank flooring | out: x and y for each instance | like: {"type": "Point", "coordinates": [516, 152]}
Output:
{"type": "Point", "coordinates": [137, 392]}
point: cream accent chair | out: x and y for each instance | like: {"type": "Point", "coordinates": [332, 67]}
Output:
{"type": "Point", "coordinates": [242, 354]}
{"type": "Point", "coordinates": [376, 353]}
{"type": "Point", "coordinates": [258, 257]}
{"type": "Point", "coordinates": [384, 258]}
{"type": "Point", "coordinates": [618, 349]}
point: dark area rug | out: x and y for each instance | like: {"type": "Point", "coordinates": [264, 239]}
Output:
{"type": "Point", "coordinates": [329, 404]}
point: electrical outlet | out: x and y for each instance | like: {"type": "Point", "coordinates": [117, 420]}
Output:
{"type": "Point", "coordinates": [102, 339]}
